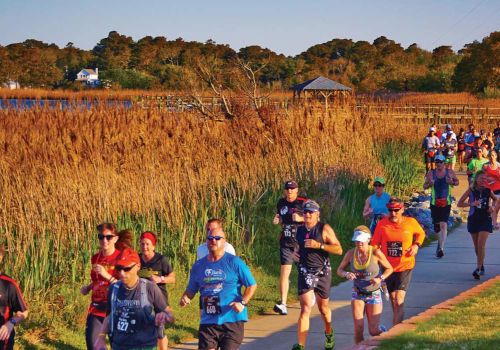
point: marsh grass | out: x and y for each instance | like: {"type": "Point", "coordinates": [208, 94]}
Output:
{"type": "Point", "coordinates": [64, 171]}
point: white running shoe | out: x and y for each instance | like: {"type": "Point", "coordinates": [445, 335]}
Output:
{"type": "Point", "coordinates": [280, 309]}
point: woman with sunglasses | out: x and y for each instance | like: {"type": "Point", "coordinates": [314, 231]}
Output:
{"type": "Point", "coordinates": [366, 297]}
{"type": "Point", "coordinates": [375, 205]}
{"type": "Point", "coordinates": [103, 274]}
{"type": "Point", "coordinates": [479, 221]}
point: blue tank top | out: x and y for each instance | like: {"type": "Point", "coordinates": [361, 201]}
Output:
{"type": "Point", "coordinates": [379, 203]}
{"type": "Point", "coordinates": [441, 189]}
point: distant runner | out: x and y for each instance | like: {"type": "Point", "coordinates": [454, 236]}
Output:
{"type": "Point", "coordinates": [399, 238]}
{"type": "Point", "coordinates": [440, 181]}
{"type": "Point", "coordinates": [430, 146]}
{"type": "Point", "coordinates": [375, 205]}
{"type": "Point", "coordinates": [289, 215]}
{"type": "Point", "coordinates": [316, 242]}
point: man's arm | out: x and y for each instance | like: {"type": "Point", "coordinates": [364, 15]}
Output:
{"type": "Point", "coordinates": [186, 298]}
{"type": "Point", "coordinates": [332, 244]}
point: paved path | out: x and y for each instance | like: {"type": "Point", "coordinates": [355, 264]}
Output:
{"type": "Point", "coordinates": [433, 282]}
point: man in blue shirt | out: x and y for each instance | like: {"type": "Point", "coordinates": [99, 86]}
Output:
{"type": "Point", "coordinates": [219, 278]}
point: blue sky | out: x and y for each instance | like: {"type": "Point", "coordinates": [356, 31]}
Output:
{"type": "Point", "coordinates": [288, 27]}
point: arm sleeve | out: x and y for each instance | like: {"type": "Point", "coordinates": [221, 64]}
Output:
{"type": "Point", "coordinates": [16, 299]}
{"type": "Point", "coordinates": [245, 275]}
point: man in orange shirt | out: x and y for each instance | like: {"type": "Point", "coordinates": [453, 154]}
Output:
{"type": "Point", "coordinates": [399, 237]}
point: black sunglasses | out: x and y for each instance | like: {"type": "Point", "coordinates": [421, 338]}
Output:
{"type": "Point", "coordinates": [378, 185]}
{"type": "Point", "coordinates": [217, 238]}
{"type": "Point", "coordinates": [395, 210]}
{"type": "Point", "coordinates": [124, 268]}
{"type": "Point", "coordinates": [108, 237]}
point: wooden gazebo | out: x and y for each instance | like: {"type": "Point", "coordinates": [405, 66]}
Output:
{"type": "Point", "coordinates": [322, 87]}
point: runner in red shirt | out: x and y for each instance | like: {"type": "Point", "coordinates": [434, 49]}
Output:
{"type": "Point", "coordinates": [103, 274]}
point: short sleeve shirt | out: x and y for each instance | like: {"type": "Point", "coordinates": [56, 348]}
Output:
{"type": "Point", "coordinates": [285, 210]}
{"type": "Point", "coordinates": [219, 283]}
{"type": "Point", "coordinates": [158, 266]}
{"type": "Point", "coordinates": [99, 284]}
{"type": "Point", "coordinates": [395, 239]}
{"type": "Point", "coordinates": [11, 301]}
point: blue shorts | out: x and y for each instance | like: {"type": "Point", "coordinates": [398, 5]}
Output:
{"type": "Point", "coordinates": [371, 299]}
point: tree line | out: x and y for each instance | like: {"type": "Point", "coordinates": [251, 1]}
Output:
{"type": "Point", "coordinates": [158, 63]}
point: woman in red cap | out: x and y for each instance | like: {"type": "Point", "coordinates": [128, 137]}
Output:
{"type": "Point", "coordinates": [155, 267]}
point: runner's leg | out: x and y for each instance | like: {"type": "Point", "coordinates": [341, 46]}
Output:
{"type": "Point", "coordinates": [358, 311]}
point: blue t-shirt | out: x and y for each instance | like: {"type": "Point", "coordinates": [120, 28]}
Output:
{"type": "Point", "coordinates": [379, 203]}
{"type": "Point", "coordinates": [219, 284]}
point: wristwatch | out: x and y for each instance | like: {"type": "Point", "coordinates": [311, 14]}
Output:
{"type": "Point", "coordinates": [322, 247]}
{"type": "Point", "coordinates": [243, 302]}
{"type": "Point", "coordinates": [13, 321]}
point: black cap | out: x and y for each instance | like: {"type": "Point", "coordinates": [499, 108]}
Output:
{"type": "Point", "coordinates": [290, 185]}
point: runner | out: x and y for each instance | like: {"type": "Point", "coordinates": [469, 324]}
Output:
{"type": "Point", "coordinates": [13, 308]}
{"type": "Point", "coordinates": [316, 241]}
{"type": "Point", "coordinates": [365, 273]}
{"type": "Point", "coordinates": [492, 172]}
{"type": "Point", "coordinates": [289, 215]}
{"type": "Point", "coordinates": [156, 268]}
{"type": "Point", "coordinates": [399, 238]}
{"type": "Point", "coordinates": [219, 277]}
{"type": "Point", "coordinates": [449, 131]}
{"type": "Point", "coordinates": [449, 148]}
{"type": "Point", "coordinates": [440, 181]}
{"type": "Point", "coordinates": [476, 163]}
{"type": "Point", "coordinates": [461, 148]}
{"type": "Point", "coordinates": [430, 146]}
{"type": "Point", "coordinates": [136, 309]}
{"type": "Point", "coordinates": [202, 250]}
{"type": "Point", "coordinates": [103, 274]}
{"type": "Point", "coordinates": [479, 221]}
{"type": "Point", "coordinates": [375, 205]}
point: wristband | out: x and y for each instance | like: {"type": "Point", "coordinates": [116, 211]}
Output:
{"type": "Point", "coordinates": [162, 279]}
{"type": "Point", "coordinates": [13, 321]}
{"type": "Point", "coordinates": [382, 278]}
{"type": "Point", "coordinates": [322, 247]}
{"type": "Point", "coordinates": [346, 274]}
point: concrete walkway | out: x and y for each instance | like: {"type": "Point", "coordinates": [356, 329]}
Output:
{"type": "Point", "coordinates": [433, 282]}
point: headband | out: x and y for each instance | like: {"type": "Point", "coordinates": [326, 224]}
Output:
{"type": "Point", "coordinates": [149, 235]}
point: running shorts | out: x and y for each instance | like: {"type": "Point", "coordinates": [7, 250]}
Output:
{"type": "Point", "coordinates": [440, 214]}
{"type": "Point", "coordinates": [372, 298]}
{"type": "Point", "coordinates": [288, 255]}
{"type": "Point", "coordinates": [319, 282]}
{"type": "Point", "coordinates": [399, 280]}
{"type": "Point", "coordinates": [226, 336]}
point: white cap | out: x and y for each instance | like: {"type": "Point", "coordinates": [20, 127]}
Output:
{"type": "Point", "coordinates": [432, 128]}
{"type": "Point", "coordinates": [361, 236]}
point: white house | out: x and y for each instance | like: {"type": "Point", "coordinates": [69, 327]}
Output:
{"type": "Point", "coordinates": [89, 76]}
{"type": "Point", "coordinates": [11, 85]}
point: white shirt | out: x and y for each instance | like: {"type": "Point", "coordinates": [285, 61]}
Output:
{"type": "Point", "coordinates": [444, 135]}
{"type": "Point", "coordinates": [202, 250]}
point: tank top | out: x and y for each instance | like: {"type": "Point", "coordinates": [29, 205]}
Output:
{"type": "Point", "coordinates": [483, 196]}
{"type": "Point", "coordinates": [493, 177]}
{"type": "Point", "coordinates": [378, 204]}
{"type": "Point", "coordinates": [364, 273]}
{"type": "Point", "coordinates": [312, 259]}
{"type": "Point", "coordinates": [440, 189]}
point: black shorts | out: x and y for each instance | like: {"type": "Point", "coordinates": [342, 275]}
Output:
{"type": "Point", "coordinates": [288, 255]}
{"type": "Point", "coordinates": [399, 280]}
{"type": "Point", "coordinates": [227, 336]}
{"type": "Point", "coordinates": [319, 282]}
{"type": "Point", "coordinates": [440, 214]}
{"type": "Point", "coordinates": [475, 225]}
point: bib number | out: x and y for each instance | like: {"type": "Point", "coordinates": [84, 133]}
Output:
{"type": "Point", "coordinates": [212, 305]}
{"type": "Point", "coordinates": [122, 325]}
{"type": "Point", "coordinates": [289, 231]}
{"type": "Point", "coordinates": [395, 249]}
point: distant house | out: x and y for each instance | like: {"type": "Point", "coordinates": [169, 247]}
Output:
{"type": "Point", "coordinates": [89, 76]}
{"type": "Point", "coordinates": [11, 85]}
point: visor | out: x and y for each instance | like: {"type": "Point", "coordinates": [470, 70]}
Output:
{"type": "Point", "coordinates": [361, 236]}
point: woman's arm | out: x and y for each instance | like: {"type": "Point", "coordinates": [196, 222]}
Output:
{"type": "Point", "coordinates": [461, 202]}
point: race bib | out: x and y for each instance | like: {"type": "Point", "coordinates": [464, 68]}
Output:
{"type": "Point", "coordinates": [211, 305]}
{"type": "Point", "coordinates": [289, 231]}
{"type": "Point", "coordinates": [395, 249]}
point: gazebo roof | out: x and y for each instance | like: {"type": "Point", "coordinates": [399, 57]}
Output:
{"type": "Point", "coordinates": [321, 83]}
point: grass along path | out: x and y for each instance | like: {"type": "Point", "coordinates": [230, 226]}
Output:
{"type": "Point", "coordinates": [471, 325]}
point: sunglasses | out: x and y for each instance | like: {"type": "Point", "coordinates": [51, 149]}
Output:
{"type": "Point", "coordinates": [124, 268]}
{"type": "Point", "coordinates": [309, 212]}
{"type": "Point", "coordinates": [107, 237]}
{"type": "Point", "coordinates": [394, 210]}
{"type": "Point", "coordinates": [378, 185]}
{"type": "Point", "coordinates": [217, 238]}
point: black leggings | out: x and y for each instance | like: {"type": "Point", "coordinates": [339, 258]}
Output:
{"type": "Point", "coordinates": [92, 330]}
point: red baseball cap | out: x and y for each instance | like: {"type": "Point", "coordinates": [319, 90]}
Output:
{"type": "Point", "coordinates": [128, 257]}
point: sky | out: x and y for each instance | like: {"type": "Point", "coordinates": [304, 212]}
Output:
{"type": "Point", "coordinates": [284, 26]}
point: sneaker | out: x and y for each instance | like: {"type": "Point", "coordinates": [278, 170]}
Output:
{"type": "Point", "coordinates": [329, 341]}
{"type": "Point", "coordinates": [476, 274]}
{"type": "Point", "coordinates": [382, 328]}
{"type": "Point", "coordinates": [481, 271]}
{"type": "Point", "coordinates": [439, 253]}
{"type": "Point", "coordinates": [298, 347]}
{"type": "Point", "coordinates": [280, 309]}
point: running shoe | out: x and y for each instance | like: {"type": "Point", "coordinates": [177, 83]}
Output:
{"type": "Point", "coordinates": [439, 253]}
{"type": "Point", "coordinates": [481, 271]}
{"type": "Point", "coordinates": [476, 274]}
{"type": "Point", "coordinates": [280, 309]}
{"type": "Point", "coordinates": [382, 328]}
{"type": "Point", "coordinates": [298, 347]}
{"type": "Point", "coordinates": [329, 341]}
